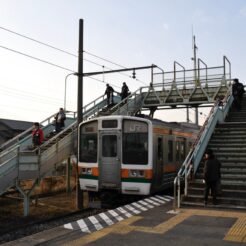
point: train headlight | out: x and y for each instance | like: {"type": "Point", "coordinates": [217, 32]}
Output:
{"type": "Point", "coordinates": [87, 171]}
{"type": "Point", "coordinates": [136, 173]}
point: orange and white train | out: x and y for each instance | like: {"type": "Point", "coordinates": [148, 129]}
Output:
{"type": "Point", "coordinates": [131, 155]}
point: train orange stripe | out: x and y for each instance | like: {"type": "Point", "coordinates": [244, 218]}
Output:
{"type": "Point", "coordinates": [161, 131]}
{"type": "Point", "coordinates": [167, 132]}
{"type": "Point", "coordinates": [148, 173]}
{"type": "Point", "coordinates": [95, 171]}
{"type": "Point", "coordinates": [182, 134]}
{"type": "Point", "coordinates": [124, 173]}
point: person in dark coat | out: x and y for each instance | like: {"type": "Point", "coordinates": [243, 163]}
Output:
{"type": "Point", "coordinates": [124, 91]}
{"type": "Point", "coordinates": [109, 92]}
{"type": "Point", "coordinates": [60, 120]}
{"type": "Point", "coordinates": [237, 92]}
{"type": "Point", "coordinates": [211, 176]}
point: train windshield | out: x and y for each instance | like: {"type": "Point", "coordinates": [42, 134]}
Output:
{"type": "Point", "coordinates": [135, 142]}
{"type": "Point", "coordinates": [88, 142]}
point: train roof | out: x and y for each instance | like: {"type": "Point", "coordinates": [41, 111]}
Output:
{"type": "Point", "coordinates": [172, 124]}
{"type": "Point", "coordinates": [180, 125]}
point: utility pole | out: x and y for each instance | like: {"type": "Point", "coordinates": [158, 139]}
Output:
{"type": "Point", "coordinates": [194, 58]}
{"type": "Point", "coordinates": [79, 193]}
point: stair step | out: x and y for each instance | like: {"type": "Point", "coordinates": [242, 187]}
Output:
{"type": "Point", "coordinates": [221, 206]}
{"type": "Point", "coordinates": [221, 200]}
{"type": "Point", "coordinates": [224, 192]}
{"type": "Point", "coordinates": [228, 149]}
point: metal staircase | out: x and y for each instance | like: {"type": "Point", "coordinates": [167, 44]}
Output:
{"type": "Point", "coordinates": [229, 146]}
{"type": "Point", "coordinates": [18, 163]}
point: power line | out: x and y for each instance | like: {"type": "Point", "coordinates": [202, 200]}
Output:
{"type": "Point", "coordinates": [50, 63]}
{"type": "Point", "coordinates": [39, 42]}
{"type": "Point", "coordinates": [35, 58]}
{"type": "Point", "coordinates": [68, 53]}
{"type": "Point", "coordinates": [104, 59]}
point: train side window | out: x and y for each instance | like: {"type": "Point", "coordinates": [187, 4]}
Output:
{"type": "Point", "coordinates": [190, 145]}
{"type": "Point", "coordinates": [88, 142]}
{"type": "Point", "coordinates": [88, 146]}
{"type": "Point", "coordinates": [182, 150]}
{"type": "Point", "coordinates": [109, 146]}
{"type": "Point", "coordinates": [177, 151]}
{"type": "Point", "coordinates": [159, 149]}
{"type": "Point", "coordinates": [170, 150]}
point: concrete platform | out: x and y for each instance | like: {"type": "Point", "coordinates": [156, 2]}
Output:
{"type": "Point", "coordinates": [148, 222]}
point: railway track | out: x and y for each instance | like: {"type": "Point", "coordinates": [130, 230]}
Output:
{"type": "Point", "coordinates": [40, 225]}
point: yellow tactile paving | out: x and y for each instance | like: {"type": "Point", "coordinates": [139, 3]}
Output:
{"type": "Point", "coordinates": [237, 233]}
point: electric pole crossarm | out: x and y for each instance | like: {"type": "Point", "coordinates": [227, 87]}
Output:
{"type": "Point", "coordinates": [118, 70]}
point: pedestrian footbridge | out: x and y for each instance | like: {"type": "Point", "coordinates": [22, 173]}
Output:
{"type": "Point", "coordinates": [176, 89]}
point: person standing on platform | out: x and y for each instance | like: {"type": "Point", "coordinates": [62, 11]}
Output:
{"type": "Point", "coordinates": [211, 176]}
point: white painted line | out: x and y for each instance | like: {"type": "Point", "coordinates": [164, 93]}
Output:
{"type": "Point", "coordinates": [135, 211]}
{"type": "Point", "coordinates": [150, 201]}
{"type": "Point", "coordinates": [146, 204]}
{"type": "Point", "coordinates": [83, 226]}
{"type": "Point", "coordinates": [170, 197]}
{"type": "Point", "coordinates": [157, 200]}
{"type": "Point", "coordinates": [68, 226]}
{"type": "Point", "coordinates": [106, 218]}
{"type": "Point", "coordinates": [139, 206]}
{"type": "Point", "coordinates": [163, 198]}
{"type": "Point", "coordinates": [112, 212]}
{"type": "Point", "coordinates": [123, 211]}
{"type": "Point", "coordinates": [95, 222]}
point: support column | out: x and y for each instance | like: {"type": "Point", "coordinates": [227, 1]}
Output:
{"type": "Point", "coordinates": [79, 192]}
{"type": "Point", "coordinates": [196, 116]}
{"type": "Point", "coordinates": [26, 196]}
{"type": "Point", "coordinates": [187, 115]}
{"type": "Point", "coordinates": [68, 172]}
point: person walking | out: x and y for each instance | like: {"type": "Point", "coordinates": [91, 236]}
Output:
{"type": "Point", "coordinates": [109, 92]}
{"type": "Point", "coordinates": [37, 135]}
{"type": "Point", "coordinates": [60, 120]}
{"type": "Point", "coordinates": [237, 92]}
{"type": "Point", "coordinates": [124, 91]}
{"type": "Point", "coordinates": [211, 176]}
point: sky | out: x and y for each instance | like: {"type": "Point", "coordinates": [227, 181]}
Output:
{"type": "Point", "coordinates": [129, 33]}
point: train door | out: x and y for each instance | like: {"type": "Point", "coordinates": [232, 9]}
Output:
{"type": "Point", "coordinates": [109, 161]}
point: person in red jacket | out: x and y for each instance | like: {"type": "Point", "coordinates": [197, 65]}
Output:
{"type": "Point", "coordinates": [37, 135]}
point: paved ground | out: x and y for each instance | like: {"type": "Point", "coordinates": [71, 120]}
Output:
{"type": "Point", "coordinates": [150, 222]}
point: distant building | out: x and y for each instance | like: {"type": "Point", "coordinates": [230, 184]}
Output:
{"type": "Point", "coordinates": [11, 128]}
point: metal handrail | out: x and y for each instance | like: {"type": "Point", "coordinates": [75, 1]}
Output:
{"type": "Point", "coordinates": [206, 69]}
{"type": "Point", "coordinates": [174, 66]}
{"type": "Point", "coordinates": [48, 120]}
{"type": "Point", "coordinates": [224, 63]}
{"type": "Point", "coordinates": [187, 165]}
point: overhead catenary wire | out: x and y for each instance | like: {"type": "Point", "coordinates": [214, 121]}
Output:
{"type": "Point", "coordinates": [71, 54]}
{"type": "Point", "coordinates": [47, 62]}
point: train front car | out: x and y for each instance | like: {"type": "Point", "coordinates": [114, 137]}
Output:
{"type": "Point", "coordinates": [114, 155]}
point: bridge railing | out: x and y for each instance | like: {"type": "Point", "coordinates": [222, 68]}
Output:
{"type": "Point", "coordinates": [200, 75]}
{"type": "Point", "coordinates": [192, 161]}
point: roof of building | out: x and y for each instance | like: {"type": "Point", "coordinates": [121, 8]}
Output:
{"type": "Point", "coordinates": [16, 124]}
